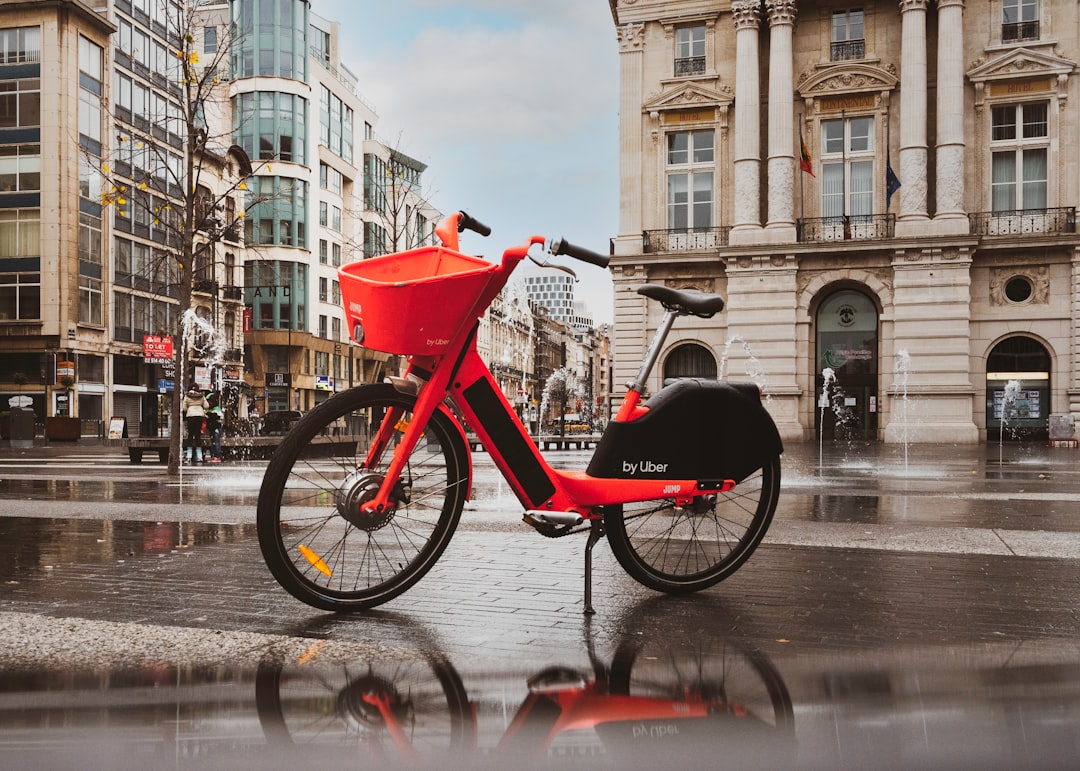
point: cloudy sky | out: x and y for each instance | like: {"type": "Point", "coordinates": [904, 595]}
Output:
{"type": "Point", "coordinates": [511, 103]}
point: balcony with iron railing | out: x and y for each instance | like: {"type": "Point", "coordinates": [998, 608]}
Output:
{"type": "Point", "coordinates": [848, 227]}
{"type": "Point", "coordinates": [684, 240]}
{"type": "Point", "coordinates": [1011, 32]}
{"type": "Point", "coordinates": [1021, 222]}
{"type": "Point", "coordinates": [845, 50]}
{"type": "Point", "coordinates": [689, 65]}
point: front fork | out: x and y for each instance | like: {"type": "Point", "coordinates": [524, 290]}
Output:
{"type": "Point", "coordinates": [428, 400]}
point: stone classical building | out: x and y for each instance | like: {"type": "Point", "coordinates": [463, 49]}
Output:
{"type": "Point", "coordinates": [884, 192]}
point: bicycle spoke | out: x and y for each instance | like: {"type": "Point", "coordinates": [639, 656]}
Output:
{"type": "Point", "coordinates": [349, 550]}
{"type": "Point", "coordinates": [682, 548]}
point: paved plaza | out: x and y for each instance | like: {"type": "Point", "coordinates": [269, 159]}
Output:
{"type": "Point", "coordinates": [915, 607]}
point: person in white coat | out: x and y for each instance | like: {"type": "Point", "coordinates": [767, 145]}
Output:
{"type": "Point", "coordinates": [194, 408]}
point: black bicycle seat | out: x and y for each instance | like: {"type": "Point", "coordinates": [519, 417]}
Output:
{"type": "Point", "coordinates": [691, 302]}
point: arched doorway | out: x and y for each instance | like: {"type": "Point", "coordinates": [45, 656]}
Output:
{"type": "Point", "coordinates": [690, 360]}
{"type": "Point", "coordinates": [1017, 389]}
{"type": "Point", "coordinates": [846, 381]}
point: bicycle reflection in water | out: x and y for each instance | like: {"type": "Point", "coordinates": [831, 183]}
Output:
{"type": "Point", "coordinates": [651, 707]}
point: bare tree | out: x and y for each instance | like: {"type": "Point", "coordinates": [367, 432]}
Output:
{"type": "Point", "coordinates": [403, 217]}
{"type": "Point", "coordinates": [179, 177]}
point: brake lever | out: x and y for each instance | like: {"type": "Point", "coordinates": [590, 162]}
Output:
{"type": "Point", "coordinates": [542, 261]}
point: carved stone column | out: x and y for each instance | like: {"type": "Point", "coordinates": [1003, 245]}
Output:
{"type": "Point", "coordinates": [781, 194]}
{"type": "Point", "coordinates": [913, 143]}
{"type": "Point", "coordinates": [949, 214]}
{"type": "Point", "coordinates": [747, 198]}
{"type": "Point", "coordinates": [631, 131]}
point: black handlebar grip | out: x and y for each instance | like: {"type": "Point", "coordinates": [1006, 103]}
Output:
{"type": "Point", "coordinates": [562, 246]}
{"type": "Point", "coordinates": [471, 223]}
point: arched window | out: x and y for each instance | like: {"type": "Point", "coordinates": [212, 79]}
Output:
{"type": "Point", "coordinates": [1019, 355]}
{"type": "Point", "coordinates": [690, 360]}
{"type": "Point", "coordinates": [1018, 388]}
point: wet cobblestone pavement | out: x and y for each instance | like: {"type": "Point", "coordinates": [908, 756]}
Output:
{"type": "Point", "coordinates": [901, 613]}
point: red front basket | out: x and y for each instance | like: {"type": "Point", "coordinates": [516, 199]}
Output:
{"type": "Point", "coordinates": [412, 302]}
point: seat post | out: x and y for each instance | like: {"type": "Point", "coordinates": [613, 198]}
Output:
{"type": "Point", "coordinates": [653, 353]}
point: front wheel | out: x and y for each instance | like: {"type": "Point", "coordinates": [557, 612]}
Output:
{"type": "Point", "coordinates": [318, 541]}
{"type": "Point", "coordinates": [679, 549]}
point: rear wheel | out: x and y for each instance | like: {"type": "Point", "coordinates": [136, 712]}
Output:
{"type": "Point", "coordinates": [677, 549]}
{"type": "Point", "coordinates": [319, 543]}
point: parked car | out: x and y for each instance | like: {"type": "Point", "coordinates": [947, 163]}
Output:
{"type": "Point", "coordinates": [279, 421]}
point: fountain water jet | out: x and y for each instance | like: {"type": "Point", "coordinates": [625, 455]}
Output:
{"type": "Point", "coordinates": [903, 371]}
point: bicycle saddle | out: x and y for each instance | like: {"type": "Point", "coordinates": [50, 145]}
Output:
{"type": "Point", "coordinates": [684, 301]}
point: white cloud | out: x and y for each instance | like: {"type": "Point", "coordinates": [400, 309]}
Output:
{"type": "Point", "coordinates": [513, 105]}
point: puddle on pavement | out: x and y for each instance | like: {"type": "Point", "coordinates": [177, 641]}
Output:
{"type": "Point", "coordinates": [39, 543]}
{"type": "Point", "coordinates": [642, 703]}
{"type": "Point", "coordinates": [230, 488]}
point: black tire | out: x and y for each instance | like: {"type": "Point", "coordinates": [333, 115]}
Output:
{"type": "Point", "coordinates": [735, 679]}
{"type": "Point", "coordinates": [310, 494]}
{"type": "Point", "coordinates": [679, 550]}
{"type": "Point", "coordinates": [331, 710]}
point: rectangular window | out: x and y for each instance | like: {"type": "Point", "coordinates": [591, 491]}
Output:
{"type": "Point", "coordinates": [848, 37]}
{"type": "Point", "coordinates": [20, 45]}
{"type": "Point", "coordinates": [323, 252]}
{"type": "Point", "coordinates": [330, 178]}
{"type": "Point", "coordinates": [20, 296]}
{"type": "Point", "coordinates": [322, 333]}
{"type": "Point", "coordinates": [20, 233]}
{"type": "Point", "coordinates": [1019, 20]}
{"type": "Point", "coordinates": [323, 294]}
{"type": "Point", "coordinates": [89, 300]}
{"type": "Point", "coordinates": [20, 168]}
{"type": "Point", "coordinates": [847, 178]}
{"type": "Point", "coordinates": [210, 40]}
{"type": "Point", "coordinates": [90, 238]}
{"type": "Point", "coordinates": [1019, 159]}
{"type": "Point", "coordinates": [690, 50]}
{"type": "Point", "coordinates": [690, 179]}
{"type": "Point", "coordinates": [20, 103]}
{"type": "Point", "coordinates": [335, 251]}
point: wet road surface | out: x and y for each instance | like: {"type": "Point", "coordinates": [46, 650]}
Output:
{"type": "Point", "coordinates": [899, 614]}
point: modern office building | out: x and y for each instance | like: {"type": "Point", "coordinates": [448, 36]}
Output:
{"type": "Point", "coordinates": [331, 193]}
{"type": "Point", "coordinates": [291, 181]}
{"type": "Point", "coordinates": [885, 194]}
{"type": "Point", "coordinates": [555, 291]}
{"type": "Point", "coordinates": [84, 272]}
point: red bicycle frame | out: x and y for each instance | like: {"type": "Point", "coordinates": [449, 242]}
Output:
{"type": "Point", "coordinates": [461, 373]}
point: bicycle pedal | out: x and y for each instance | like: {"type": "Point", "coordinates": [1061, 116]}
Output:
{"type": "Point", "coordinates": [556, 518]}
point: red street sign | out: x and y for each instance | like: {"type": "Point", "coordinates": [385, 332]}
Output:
{"type": "Point", "coordinates": [157, 349]}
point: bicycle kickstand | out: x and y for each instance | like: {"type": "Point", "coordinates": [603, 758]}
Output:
{"type": "Point", "coordinates": [596, 532]}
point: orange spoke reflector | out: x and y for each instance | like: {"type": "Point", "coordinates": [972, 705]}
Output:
{"type": "Point", "coordinates": [401, 425]}
{"type": "Point", "coordinates": [315, 560]}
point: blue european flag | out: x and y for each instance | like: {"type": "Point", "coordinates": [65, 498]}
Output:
{"type": "Point", "coordinates": [892, 183]}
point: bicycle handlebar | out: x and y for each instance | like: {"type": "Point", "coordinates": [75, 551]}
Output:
{"type": "Point", "coordinates": [466, 222]}
{"type": "Point", "coordinates": [562, 246]}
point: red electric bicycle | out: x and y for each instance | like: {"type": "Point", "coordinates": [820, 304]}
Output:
{"type": "Point", "coordinates": [683, 484]}
{"type": "Point", "coordinates": [648, 706]}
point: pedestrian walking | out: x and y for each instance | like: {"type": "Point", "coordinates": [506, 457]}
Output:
{"type": "Point", "coordinates": [194, 408]}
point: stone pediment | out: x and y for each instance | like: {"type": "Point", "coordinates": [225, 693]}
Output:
{"type": "Point", "coordinates": [1020, 63]}
{"type": "Point", "coordinates": [846, 78]}
{"type": "Point", "coordinates": [689, 96]}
